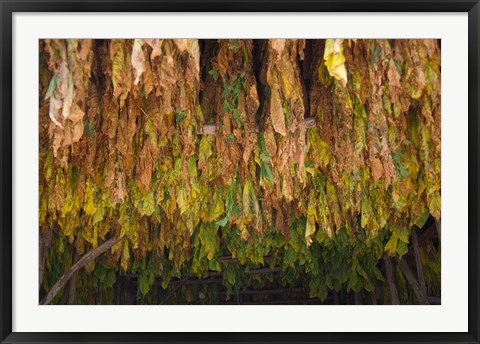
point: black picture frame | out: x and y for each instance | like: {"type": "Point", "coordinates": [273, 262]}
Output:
{"type": "Point", "coordinates": [8, 7]}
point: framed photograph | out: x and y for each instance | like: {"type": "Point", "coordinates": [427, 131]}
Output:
{"type": "Point", "coordinates": [239, 172]}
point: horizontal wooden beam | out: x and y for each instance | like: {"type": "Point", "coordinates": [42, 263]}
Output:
{"type": "Point", "coordinates": [279, 302]}
{"type": "Point", "coordinates": [210, 129]}
{"type": "Point", "coordinates": [269, 291]}
{"type": "Point", "coordinates": [212, 277]}
{"type": "Point", "coordinates": [230, 259]}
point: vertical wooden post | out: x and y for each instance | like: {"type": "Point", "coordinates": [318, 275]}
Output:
{"type": "Point", "coordinates": [44, 244]}
{"type": "Point", "coordinates": [72, 288]}
{"type": "Point", "coordinates": [418, 262]}
{"type": "Point", "coordinates": [41, 259]}
{"type": "Point", "coordinates": [357, 298]}
{"type": "Point", "coordinates": [422, 298]}
{"type": "Point", "coordinates": [390, 281]}
{"type": "Point", "coordinates": [118, 291]}
{"type": "Point", "coordinates": [336, 301]}
{"type": "Point", "coordinates": [373, 296]}
{"type": "Point", "coordinates": [438, 224]}
{"type": "Point", "coordinates": [130, 295]}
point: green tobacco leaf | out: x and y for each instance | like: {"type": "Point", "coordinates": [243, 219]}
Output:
{"type": "Point", "coordinates": [208, 238]}
{"type": "Point", "coordinates": [88, 131]}
{"type": "Point", "coordinates": [145, 282]}
{"type": "Point", "coordinates": [399, 167]}
{"type": "Point", "coordinates": [229, 274]}
{"type": "Point", "coordinates": [179, 116]}
{"type": "Point", "coordinates": [245, 55]}
{"type": "Point", "coordinates": [391, 246]}
{"type": "Point", "coordinates": [378, 274]}
{"type": "Point", "coordinates": [214, 74]}
{"type": "Point", "coordinates": [422, 219]}
{"type": "Point", "coordinates": [222, 222]}
{"type": "Point", "coordinates": [403, 234]}
{"type": "Point", "coordinates": [398, 66]}
{"type": "Point", "coordinates": [98, 217]}
{"type": "Point", "coordinates": [51, 87]}
{"type": "Point", "coordinates": [236, 116]}
{"type": "Point", "coordinates": [286, 110]}
{"type": "Point", "coordinates": [234, 45]}
{"type": "Point", "coordinates": [402, 248]}
{"type": "Point", "coordinates": [269, 174]}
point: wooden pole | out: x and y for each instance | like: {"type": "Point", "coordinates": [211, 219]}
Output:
{"type": "Point", "coordinates": [41, 259]}
{"type": "Point", "coordinates": [418, 262]}
{"type": "Point", "coordinates": [73, 283]}
{"type": "Point", "coordinates": [336, 300]}
{"type": "Point", "coordinates": [44, 244]}
{"type": "Point", "coordinates": [178, 286]}
{"type": "Point", "coordinates": [390, 281]}
{"type": "Point", "coordinates": [438, 224]}
{"type": "Point", "coordinates": [269, 291]}
{"type": "Point", "coordinates": [422, 298]}
{"type": "Point", "coordinates": [87, 258]}
{"type": "Point", "coordinates": [357, 298]}
{"type": "Point", "coordinates": [281, 302]}
{"type": "Point", "coordinates": [373, 296]}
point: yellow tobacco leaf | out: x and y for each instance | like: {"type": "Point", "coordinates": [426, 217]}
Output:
{"type": "Point", "coordinates": [250, 205]}
{"type": "Point", "coordinates": [391, 246]}
{"type": "Point", "coordinates": [98, 217]}
{"type": "Point", "coordinates": [434, 205]}
{"type": "Point", "coordinates": [148, 204]}
{"type": "Point", "coordinates": [205, 152]}
{"type": "Point", "coordinates": [67, 206]}
{"type": "Point", "coordinates": [312, 216]}
{"type": "Point", "coordinates": [309, 231]}
{"type": "Point", "coordinates": [246, 202]}
{"type": "Point", "coordinates": [334, 60]}
{"type": "Point", "coordinates": [288, 80]}
{"type": "Point", "coordinates": [119, 70]}
{"type": "Point", "coordinates": [318, 149]}
{"type": "Point", "coordinates": [125, 256]}
{"type": "Point", "coordinates": [183, 200]}
{"type": "Point", "coordinates": [89, 205]}
{"type": "Point", "coordinates": [218, 207]}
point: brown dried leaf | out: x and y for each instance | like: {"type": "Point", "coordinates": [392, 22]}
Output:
{"type": "Point", "coordinates": [138, 60]}
{"type": "Point", "coordinates": [377, 169]}
{"type": "Point", "coordinates": [276, 113]}
{"type": "Point", "coordinates": [394, 81]}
